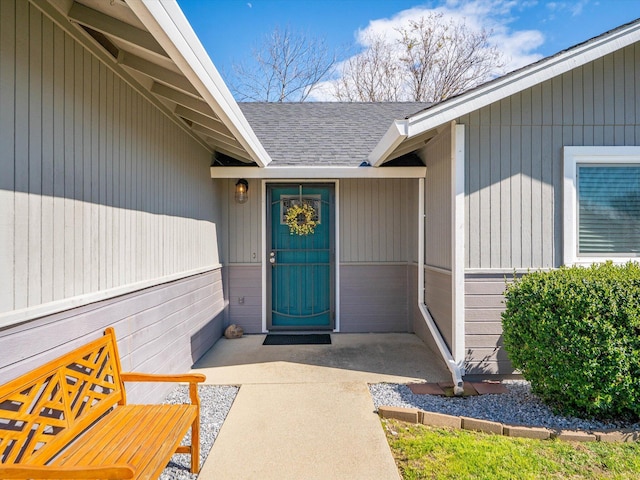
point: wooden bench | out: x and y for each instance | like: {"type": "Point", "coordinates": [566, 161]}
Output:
{"type": "Point", "coordinates": [70, 419]}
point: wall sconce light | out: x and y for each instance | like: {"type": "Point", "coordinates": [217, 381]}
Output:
{"type": "Point", "coordinates": [242, 191]}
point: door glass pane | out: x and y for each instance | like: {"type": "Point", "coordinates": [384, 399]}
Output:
{"type": "Point", "coordinates": [609, 209]}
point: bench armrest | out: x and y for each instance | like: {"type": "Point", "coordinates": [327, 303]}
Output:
{"type": "Point", "coordinates": [112, 472]}
{"type": "Point", "coordinates": [192, 378]}
{"type": "Point", "coordinates": [155, 377]}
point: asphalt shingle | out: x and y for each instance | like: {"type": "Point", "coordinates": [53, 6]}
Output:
{"type": "Point", "coordinates": [323, 134]}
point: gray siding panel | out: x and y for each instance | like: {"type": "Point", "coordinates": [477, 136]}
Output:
{"type": "Point", "coordinates": [438, 297]}
{"type": "Point", "coordinates": [513, 150]}
{"type": "Point", "coordinates": [245, 296]}
{"type": "Point", "coordinates": [375, 219]}
{"type": "Point", "coordinates": [163, 329]}
{"type": "Point", "coordinates": [243, 224]}
{"type": "Point", "coordinates": [373, 298]}
{"type": "Point", "coordinates": [484, 302]}
{"type": "Point", "coordinates": [438, 244]}
{"type": "Point", "coordinates": [375, 215]}
{"type": "Point", "coordinates": [99, 188]}
{"type": "Point", "coordinates": [438, 232]}
{"type": "Point", "coordinates": [7, 143]}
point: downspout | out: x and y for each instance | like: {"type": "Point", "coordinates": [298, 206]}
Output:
{"type": "Point", "coordinates": [454, 368]}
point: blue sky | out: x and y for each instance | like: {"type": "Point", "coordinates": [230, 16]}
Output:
{"type": "Point", "coordinates": [525, 30]}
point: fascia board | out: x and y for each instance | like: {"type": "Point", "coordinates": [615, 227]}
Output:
{"type": "Point", "coordinates": [310, 172]}
{"type": "Point", "coordinates": [394, 136]}
{"type": "Point", "coordinates": [166, 22]}
{"type": "Point", "coordinates": [520, 80]}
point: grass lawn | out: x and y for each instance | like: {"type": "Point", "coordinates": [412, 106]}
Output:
{"type": "Point", "coordinates": [435, 453]}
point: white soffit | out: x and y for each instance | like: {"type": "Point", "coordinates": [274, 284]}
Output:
{"type": "Point", "coordinates": [166, 22]}
{"type": "Point", "coordinates": [505, 86]}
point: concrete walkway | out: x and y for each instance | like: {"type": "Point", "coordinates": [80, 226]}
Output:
{"type": "Point", "coordinates": [304, 412]}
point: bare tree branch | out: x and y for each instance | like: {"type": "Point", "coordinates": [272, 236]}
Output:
{"type": "Point", "coordinates": [286, 67]}
{"type": "Point", "coordinates": [442, 59]}
{"type": "Point", "coordinates": [371, 76]}
{"type": "Point", "coordinates": [432, 60]}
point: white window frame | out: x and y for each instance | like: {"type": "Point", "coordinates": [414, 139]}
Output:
{"type": "Point", "coordinates": [574, 156]}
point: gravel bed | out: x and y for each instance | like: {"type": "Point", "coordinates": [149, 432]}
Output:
{"type": "Point", "coordinates": [215, 403]}
{"type": "Point", "coordinates": [517, 407]}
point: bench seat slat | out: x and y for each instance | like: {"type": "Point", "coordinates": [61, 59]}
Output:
{"type": "Point", "coordinates": [142, 436]}
{"type": "Point", "coordinates": [102, 444]}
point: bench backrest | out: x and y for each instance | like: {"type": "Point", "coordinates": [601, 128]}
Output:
{"type": "Point", "coordinates": [43, 410]}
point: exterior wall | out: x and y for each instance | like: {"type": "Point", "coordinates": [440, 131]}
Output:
{"type": "Point", "coordinates": [245, 296]}
{"type": "Point", "coordinates": [438, 239]}
{"type": "Point", "coordinates": [373, 298]}
{"type": "Point", "coordinates": [513, 181]}
{"type": "Point", "coordinates": [378, 231]}
{"type": "Point", "coordinates": [483, 324]}
{"type": "Point", "coordinates": [438, 286]}
{"type": "Point", "coordinates": [241, 253]}
{"type": "Point", "coordinates": [101, 196]}
{"type": "Point", "coordinates": [165, 328]}
{"type": "Point", "coordinates": [374, 220]}
{"type": "Point", "coordinates": [242, 240]}
{"type": "Point", "coordinates": [377, 244]}
{"type": "Point", "coordinates": [514, 157]}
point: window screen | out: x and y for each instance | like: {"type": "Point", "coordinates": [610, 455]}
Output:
{"type": "Point", "coordinates": [609, 209]}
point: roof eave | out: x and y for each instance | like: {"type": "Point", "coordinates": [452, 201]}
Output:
{"type": "Point", "coordinates": [166, 22]}
{"type": "Point", "coordinates": [394, 136]}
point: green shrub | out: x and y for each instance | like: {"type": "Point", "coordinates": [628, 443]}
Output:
{"type": "Point", "coordinates": [574, 333]}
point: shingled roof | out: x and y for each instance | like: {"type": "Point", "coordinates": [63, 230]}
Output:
{"type": "Point", "coordinates": [323, 134]}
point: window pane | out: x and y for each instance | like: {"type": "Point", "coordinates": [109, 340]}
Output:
{"type": "Point", "coordinates": [609, 209]}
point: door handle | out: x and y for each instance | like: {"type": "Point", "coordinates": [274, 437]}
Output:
{"type": "Point", "coordinates": [272, 258]}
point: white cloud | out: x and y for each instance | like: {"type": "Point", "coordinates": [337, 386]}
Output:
{"type": "Point", "coordinates": [518, 46]}
{"type": "Point", "coordinates": [575, 8]}
{"type": "Point", "coordinates": [492, 15]}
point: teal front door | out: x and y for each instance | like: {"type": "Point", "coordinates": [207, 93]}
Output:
{"type": "Point", "coordinates": [300, 252]}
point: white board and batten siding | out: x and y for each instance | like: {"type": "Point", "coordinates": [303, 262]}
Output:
{"type": "Point", "coordinates": [101, 193]}
{"type": "Point", "coordinates": [514, 180]}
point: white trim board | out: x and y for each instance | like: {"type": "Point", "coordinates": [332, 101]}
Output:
{"type": "Point", "coordinates": [316, 173]}
{"type": "Point", "coordinates": [458, 237]}
{"type": "Point", "coordinates": [581, 155]}
{"type": "Point", "coordinates": [31, 313]}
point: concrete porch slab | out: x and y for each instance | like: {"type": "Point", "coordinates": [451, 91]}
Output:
{"type": "Point", "coordinates": [305, 411]}
{"type": "Point", "coordinates": [368, 358]}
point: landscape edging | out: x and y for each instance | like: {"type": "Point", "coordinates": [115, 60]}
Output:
{"type": "Point", "coordinates": [416, 416]}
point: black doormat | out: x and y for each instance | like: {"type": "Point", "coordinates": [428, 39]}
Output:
{"type": "Point", "coordinates": [307, 339]}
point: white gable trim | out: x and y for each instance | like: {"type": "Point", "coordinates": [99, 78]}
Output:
{"type": "Point", "coordinates": [507, 85]}
{"type": "Point", "coordinates": [390, 141]}
{"type": "Point", "coordinates": [166, 22]}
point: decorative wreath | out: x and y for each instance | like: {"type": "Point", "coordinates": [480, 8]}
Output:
{"type": "Point", "coordinates": [300, 219]}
